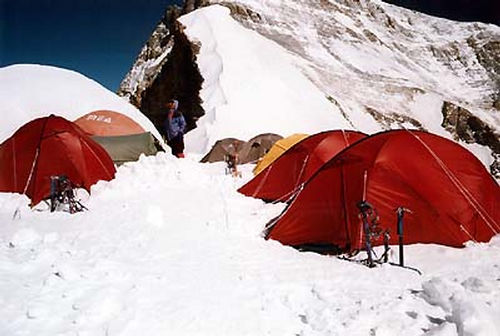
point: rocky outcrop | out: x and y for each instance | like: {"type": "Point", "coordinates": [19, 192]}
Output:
{"type": "Point", "coordinates": [372, 60]}
{"type": "Point", "coordinates": [166, 68]}
{"type": "Point", "coordinates": [178, 78]}
{"type": "Point", "coordinates": [468, 128]}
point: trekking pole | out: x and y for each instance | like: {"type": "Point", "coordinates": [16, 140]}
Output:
{"type": "Point", "coordinates": [401, 211]}
{"type": "Point", "coordinates": [54, 179]}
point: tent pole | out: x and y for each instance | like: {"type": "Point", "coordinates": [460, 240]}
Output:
{"type": "Point", "coordinates": [346, 213]}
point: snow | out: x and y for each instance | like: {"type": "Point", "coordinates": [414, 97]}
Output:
{"type": "Point", "coordinates": [169, 246]}
{"type": "Point", "coordinates": [327, 86]}
{"type": "Point", "coordinates": [251, 85]}
{"type": "Point", "coordinates": [29, 91]}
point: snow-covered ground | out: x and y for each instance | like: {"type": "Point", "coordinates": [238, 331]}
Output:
{"type": "Point", "coordinates": [170, 248]}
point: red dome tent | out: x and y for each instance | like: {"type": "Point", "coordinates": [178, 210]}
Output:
{"type": "Point", "coordinates": [51, 146]}
{"type": "Point", "coordinates": [281, 179]}
{"type": "Point", "coordinates": [452, 196]}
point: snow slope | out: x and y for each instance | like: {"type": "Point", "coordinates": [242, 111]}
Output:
{"type": "Point", "coordinates": [170, 248]}
{"type": "Point", "coordinates": [250, 85]}
{"type": "Point", "coordinates": [257, 81]}
{"type": "Point", "coordinates": [29, 91]}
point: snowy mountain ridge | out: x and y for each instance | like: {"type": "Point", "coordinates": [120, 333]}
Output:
{"type": "Point", "coordinates": [373, 65]}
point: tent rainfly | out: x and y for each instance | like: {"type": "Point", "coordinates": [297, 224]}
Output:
{"type": "Point", "coordinates": [279, 147]}
{"type": "Point", "coordinates": [221, 149]}
{"type": "Point", "coordinates": [283, 178]}
{"type": "Point", "coordinates": [123, 138]}
{"type": "Point", "coordinates": [51, 146]}
{"type": "Point", "coordinates": [452, 196]}
{"type": "Point", "coordinates": [255, 148]}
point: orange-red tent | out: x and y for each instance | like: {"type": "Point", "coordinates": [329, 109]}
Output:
{"type": "Point", "coordinates": [108, 123]}
{"type": "Point", "coordinates": [282, 178]}
{"type": "Point", "coordinates": [452, 196]}
{"type": "Point", "coordinates": [51, 146]}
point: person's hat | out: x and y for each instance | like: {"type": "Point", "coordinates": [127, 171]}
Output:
{"type": "Point", "coordinates": [176, 103]}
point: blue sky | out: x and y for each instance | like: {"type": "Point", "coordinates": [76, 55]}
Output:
{"type": "Point", "coordinates": [98, 38]}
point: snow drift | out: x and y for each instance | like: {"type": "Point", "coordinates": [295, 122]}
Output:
{"type": "Point", "coordinates": [29, 91]}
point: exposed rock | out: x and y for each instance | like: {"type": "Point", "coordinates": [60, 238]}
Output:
{"type": "Point", "coordinates": [151, 58]}
{"type": "Point", "coordinates": [467, 127]}
{"type": "Point", "coordinates": [496, 103]}
{"type": "Point", "coordinates": [487, 51]}
{"type": "Point", "coordinates": [178, 78]}
{"type": "Point", "coordinates": [166, 68]}
{"type": "Point", "coordinates": [241, 11]}
{"type": "Point", "coordinates": [459, 62]}
{"type": "Point", "coordinates": [393, 120]}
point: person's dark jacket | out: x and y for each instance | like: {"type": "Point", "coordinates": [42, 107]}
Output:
{"type": "Point", "coordinates": [176, 126]}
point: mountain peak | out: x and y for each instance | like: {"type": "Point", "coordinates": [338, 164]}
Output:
{"type": "Point", "coordinates": [372, 66]}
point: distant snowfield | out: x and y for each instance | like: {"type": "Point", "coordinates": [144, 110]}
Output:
{"type": "Point", "coordinates": [170, 247]}
{"type": "Point", "coordinates": [30, 91]}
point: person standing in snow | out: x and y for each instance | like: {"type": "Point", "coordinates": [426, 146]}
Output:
{"type": "Point", "coordinates": [175, 126]}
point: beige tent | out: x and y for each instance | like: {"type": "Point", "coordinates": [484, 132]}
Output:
{"type": "Point", "coordinates": [222, 148]}
{"type": "Point", "coordinates": [249, 151]}
{"type": "Point", "coordinates": [255, 148]}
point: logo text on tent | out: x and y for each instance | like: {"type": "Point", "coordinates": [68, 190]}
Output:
{"type": "Point", "coordinates": [95, 117]}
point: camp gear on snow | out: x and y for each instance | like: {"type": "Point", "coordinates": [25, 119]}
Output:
{"type": "Point", "coordinates": [453, 197]}
{"type": "Point", "coordinates": [282, 179]}
{"type": "Point", "coordinates": [47, 147]}
{"type": "Point", "coordinates": [278, 148]}
{"type": "Point", "coordinates": [62, 195]}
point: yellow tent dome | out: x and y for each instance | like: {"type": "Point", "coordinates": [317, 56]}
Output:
{"type": "Point", "coordinates": [277, 150]}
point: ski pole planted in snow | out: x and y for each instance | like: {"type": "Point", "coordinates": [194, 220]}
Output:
{"type": "Point", "coordinates": [401, 211]}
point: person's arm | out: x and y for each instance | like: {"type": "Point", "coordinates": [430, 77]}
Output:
{"type": "Point", "coordinates": [182, 124]}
